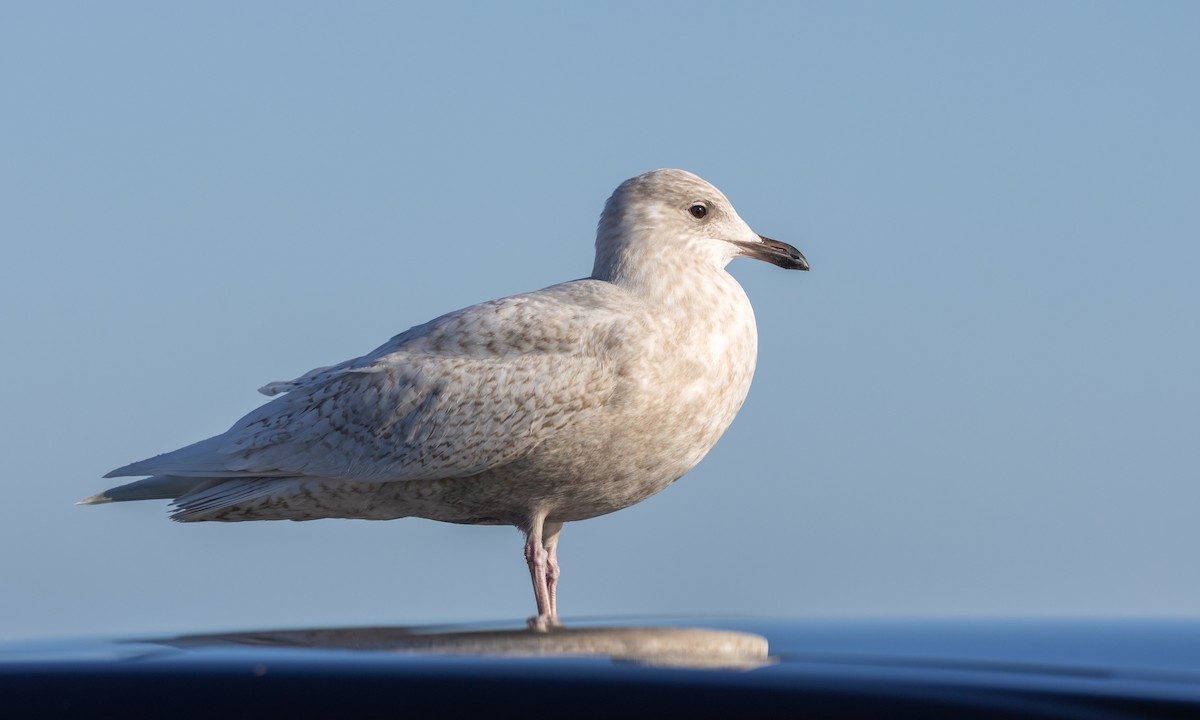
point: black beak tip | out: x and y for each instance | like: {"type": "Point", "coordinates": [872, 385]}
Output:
{"type": "Point", "coordinates": [775, 252]}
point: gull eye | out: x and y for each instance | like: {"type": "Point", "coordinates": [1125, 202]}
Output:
{"type": "Point", "coordinates": [698, 211]}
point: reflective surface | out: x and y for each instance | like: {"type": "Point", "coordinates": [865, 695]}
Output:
{"type": "Point", "coordinates": [704, 668]}
{"type": "Point", "coordinates": [663, 647]}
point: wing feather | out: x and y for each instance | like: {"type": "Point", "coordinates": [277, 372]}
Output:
{"type": "Point", "coordinates": [406, 417]}
{"type": "Point", "coordinates": [469, 391]}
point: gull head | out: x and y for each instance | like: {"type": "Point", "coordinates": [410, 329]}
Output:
{"type": "Point", "coordinates": [675, 219]}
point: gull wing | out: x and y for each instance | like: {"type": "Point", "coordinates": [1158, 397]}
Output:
{"type": "Point", "coordinates": [408, 417]}
{"type": "Point", "coordinates": [469, 391]}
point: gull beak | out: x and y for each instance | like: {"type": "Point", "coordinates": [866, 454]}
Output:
{"type": "Point", "coordinates": [775, 252]}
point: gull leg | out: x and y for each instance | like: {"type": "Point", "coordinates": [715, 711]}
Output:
{"type": "Point", "coordinates": [550, 543]}
{"type": "Point", "coordinates": [537, 558]}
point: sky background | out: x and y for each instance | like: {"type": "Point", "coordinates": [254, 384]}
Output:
{"type": "Point", "coordinates": [984, 400]}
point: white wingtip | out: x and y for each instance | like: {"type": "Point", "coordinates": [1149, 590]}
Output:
{"type": "Point", "coordinates": [272, 389]}
{"type": "Point", "coordinates": [98, 499]}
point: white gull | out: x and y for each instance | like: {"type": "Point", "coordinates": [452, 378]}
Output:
{"type": "Point", "coordinates": [533, 410]}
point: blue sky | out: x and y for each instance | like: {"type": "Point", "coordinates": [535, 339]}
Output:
{"type": "Point", "coordinates": [983, 400]}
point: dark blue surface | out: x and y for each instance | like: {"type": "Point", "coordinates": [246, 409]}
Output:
{"type": "Point", "coordinates": [1125, 668]}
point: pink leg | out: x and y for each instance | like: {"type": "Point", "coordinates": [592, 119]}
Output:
{"type": "Point", "coordinates": [540, 555]}
{"type": "Point", "coordinates": [537, 557]}
{"type": "Point", "coordinates": [550, 543]}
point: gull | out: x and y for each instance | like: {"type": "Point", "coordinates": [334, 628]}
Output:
{"type": "Point", "coordinates": [533, 410]}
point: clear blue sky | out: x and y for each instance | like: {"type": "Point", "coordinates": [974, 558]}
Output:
{"type": "Point", "coordinates": [983, 400]}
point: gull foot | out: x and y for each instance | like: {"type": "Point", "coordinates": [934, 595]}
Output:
{"type": "Point", "coordinates": [543, 623]}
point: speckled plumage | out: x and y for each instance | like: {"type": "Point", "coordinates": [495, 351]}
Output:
{"type": "Point", "coordinates": [533, 410]}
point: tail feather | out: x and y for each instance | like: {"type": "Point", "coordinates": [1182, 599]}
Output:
{"type": "Point", "coordinates": [159, 487]}
{"type": "Point", "coordinates": [207, 502]}
{"type": "Point", "coordinates": [197, 498]}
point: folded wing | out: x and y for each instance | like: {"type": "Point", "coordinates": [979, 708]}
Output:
{"type": "Point", "coordinates": [420, 407]}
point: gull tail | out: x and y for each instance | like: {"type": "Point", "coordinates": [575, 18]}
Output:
{"type": "Point", "coordinates": [200, 498]}
{"type": "Point", "coordinates": [159, 487]}
{"type": "Point", "coordinates": [231, 500]}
